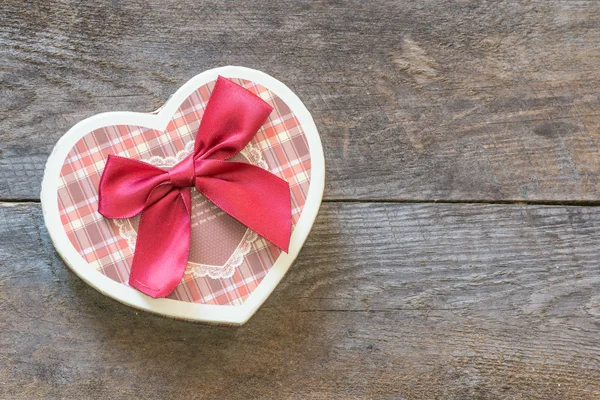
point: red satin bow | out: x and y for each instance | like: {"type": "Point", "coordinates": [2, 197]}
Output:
{"type": "Point", "coordinates": [253, 196]}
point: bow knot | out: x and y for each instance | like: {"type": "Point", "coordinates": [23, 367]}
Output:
{"type": "Point", "coordinates": [255, 197]}
{"type": "Point", "coordinates": [183, 174]}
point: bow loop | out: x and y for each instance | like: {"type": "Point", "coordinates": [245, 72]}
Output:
{"type": "Point", "coordinates": [126, 185]}
{"type": "Point", "coordinates": [232, 117]}
{"type": "Point", "coordinates": [255, 197]}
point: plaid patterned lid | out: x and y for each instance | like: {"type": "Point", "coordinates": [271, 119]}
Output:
{"type": "Point", "coordinates": [227, 261]}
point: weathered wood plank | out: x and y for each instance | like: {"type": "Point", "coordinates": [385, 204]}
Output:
{"type": "Point", "coordinates": [414, 100]}
{"type": "Point", "coordinates": [447, 301]}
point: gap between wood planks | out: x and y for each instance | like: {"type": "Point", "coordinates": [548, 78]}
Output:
{"type": "Point", "coordinates": [569, 203]}
{"type": "Point", "coordinates": [572, 203]}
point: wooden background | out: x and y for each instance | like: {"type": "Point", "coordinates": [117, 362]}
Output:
{"type": "Point", "coordinates": [456, 255]}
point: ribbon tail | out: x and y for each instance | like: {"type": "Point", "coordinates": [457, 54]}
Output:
{"type": "Point", "coordinates": [255, 197]}
{"type": "Point", "coordinates": [163, 242]}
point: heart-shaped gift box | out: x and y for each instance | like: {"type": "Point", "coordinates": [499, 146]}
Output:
{"type": "Point", "coordinates": [231, 270]}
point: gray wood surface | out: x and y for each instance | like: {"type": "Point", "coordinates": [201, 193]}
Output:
{"type": "Point", "coordinates": [406, 288]}
{"type": "Point", "coordinates": [414, 100]}
{"type": "Point", "coordinates": [391, 301]}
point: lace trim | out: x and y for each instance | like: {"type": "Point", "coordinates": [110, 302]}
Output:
{"type": "Point", "coordinates": [127, 232]}
{"type": "Point", "coordinates": [197, 270]}
{"type": "Point", "coordinates": [168, 162]}
{"type": "Point", "coordinates": [228, 269]}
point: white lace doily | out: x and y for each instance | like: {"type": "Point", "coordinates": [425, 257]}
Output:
{"type": "Point", "coordinates": [128, 232]}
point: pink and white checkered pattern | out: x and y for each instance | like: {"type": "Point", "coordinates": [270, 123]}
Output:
{"type": "Point", "coordinates": [284, 148]}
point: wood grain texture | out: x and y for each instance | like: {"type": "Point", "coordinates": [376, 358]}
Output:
{"type": "Point", "coordinates": [386, 301]}
{"type": "Point", "coordinates": [415, 100]}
